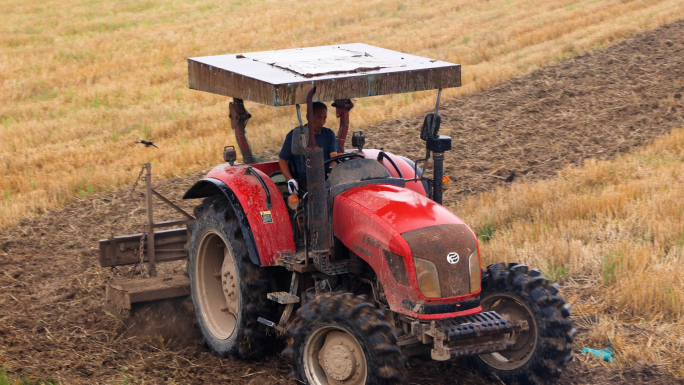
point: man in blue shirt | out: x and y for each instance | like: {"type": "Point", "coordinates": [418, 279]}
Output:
{"type": "Point", "coordinates": [325, 138]}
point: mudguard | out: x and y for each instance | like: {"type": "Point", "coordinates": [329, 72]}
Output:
{"type": "Point", "coordinates": [268, 231]}
{"type": "Point", "coordinates": [372, 220]}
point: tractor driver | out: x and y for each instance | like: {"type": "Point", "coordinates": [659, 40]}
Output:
{"type": "Point", "coordinates": [325, 138]}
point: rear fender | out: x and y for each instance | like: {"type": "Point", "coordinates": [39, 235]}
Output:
{"type": "Point", "coordinates": [267, 168]}
{"type": "Point", "coordinates": [267, 236]}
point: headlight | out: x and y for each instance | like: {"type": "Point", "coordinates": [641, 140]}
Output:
{"type": "Point", "coordinates": [428, 280]}
{"type": "Point", "coordinates": [475, 278]}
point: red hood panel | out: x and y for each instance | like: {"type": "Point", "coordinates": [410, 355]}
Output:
{"type": "Point", "coordinates": [403, 209]}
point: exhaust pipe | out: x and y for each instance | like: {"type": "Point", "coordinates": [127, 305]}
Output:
{"type": "Point", "coordinates": [319, 223]}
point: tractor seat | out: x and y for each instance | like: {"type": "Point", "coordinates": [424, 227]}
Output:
{"type": "Point", "coordinates": [279, 179]}
{"type": "Point", "coordinates": [359, 172]}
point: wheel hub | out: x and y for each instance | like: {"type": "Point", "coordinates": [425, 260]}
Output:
{"type": "Point", "coordinates": [229, 283]}
{"type": "Point", "coordinates": [216, 286]}
{"type": "Point", "coordinates": [338, 361]}
{"type": "Point", "coordinates": [524, 336]}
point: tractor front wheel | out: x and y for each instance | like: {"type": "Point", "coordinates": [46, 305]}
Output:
{"type": "Point", "coordinates": [228, 290]}
{"type": "Point", "coordinates": [341, 339]}
{"type": "Point", "coordinates": [543, 333]}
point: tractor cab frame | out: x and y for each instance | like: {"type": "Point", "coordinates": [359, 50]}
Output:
{"type": "Point", "coordinates": [332, 73]}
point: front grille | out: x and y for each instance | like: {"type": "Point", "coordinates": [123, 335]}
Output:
{"type": "Point", "coordinates": [435, 244]}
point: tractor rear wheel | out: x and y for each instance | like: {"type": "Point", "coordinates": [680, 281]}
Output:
{"type": "Point", "coordinates": [543, 334]}
{"type": "Point", "coordinates": [341, 339]}
{"type": "Point", "coordinates": [228, 290]}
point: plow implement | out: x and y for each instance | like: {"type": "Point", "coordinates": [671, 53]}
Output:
{"type": "Point", "coordinates": [147, 249]}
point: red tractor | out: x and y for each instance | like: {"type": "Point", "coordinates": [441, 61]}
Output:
{"type": "Point", "coordinates": [367, 267]}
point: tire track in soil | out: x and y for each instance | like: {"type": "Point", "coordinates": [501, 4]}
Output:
{"type": "Point", "coordinates": [53, 323]}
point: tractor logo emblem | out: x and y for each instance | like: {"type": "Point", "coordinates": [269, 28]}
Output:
{"type": "Point", "coordinates": [453, 258]}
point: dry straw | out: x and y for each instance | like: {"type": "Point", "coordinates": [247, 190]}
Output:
{"type": "Point", "coordinates": [81, 82]}
{"type": "Point", "coordinates": [613, 233]}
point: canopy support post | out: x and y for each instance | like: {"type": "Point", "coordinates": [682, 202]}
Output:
{"type": "Point", "coordinates": [342, 108]}
{"type": "Point", "coordinates": [238, 121]}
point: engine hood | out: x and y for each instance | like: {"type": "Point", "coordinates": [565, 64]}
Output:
{"type": "Point", "coordinates": [401, 208]}
{"type": "Point", "coordinates": [408, 225]}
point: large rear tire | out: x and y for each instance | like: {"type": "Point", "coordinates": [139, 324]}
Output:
{"type": "Point", "coordinates": [543, 338]}
{"type": "Point", "coordinates": [341, 339]}
{"type": "Point", "coordinates": [228, 290]}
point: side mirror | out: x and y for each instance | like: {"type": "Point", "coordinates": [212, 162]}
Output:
{"type": "Point", "coordinates": [358, 140]}
{"type": "Point", "coordinates": [430, 126]}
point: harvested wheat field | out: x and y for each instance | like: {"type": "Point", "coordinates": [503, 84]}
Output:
{"type": "Point", "coordinates": [614, 116]}
{"type": "Point", "coordinates": [81, 81]}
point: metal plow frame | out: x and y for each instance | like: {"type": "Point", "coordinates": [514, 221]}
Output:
{"type": "Point", "coordinates": [150, 248]}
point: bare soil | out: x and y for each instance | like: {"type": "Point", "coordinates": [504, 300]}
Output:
{"type": "Point", "coordinates": [54, 324]}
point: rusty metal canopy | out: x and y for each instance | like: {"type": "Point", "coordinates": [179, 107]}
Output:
{"type": "Point", "coordinates": [284, 77]}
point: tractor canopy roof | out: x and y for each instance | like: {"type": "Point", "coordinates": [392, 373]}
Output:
{"type": "Point", "coordinates": [284, 77]}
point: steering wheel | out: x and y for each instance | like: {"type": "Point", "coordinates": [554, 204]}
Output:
{"type": "Point", "coordinates": [341, 158]}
